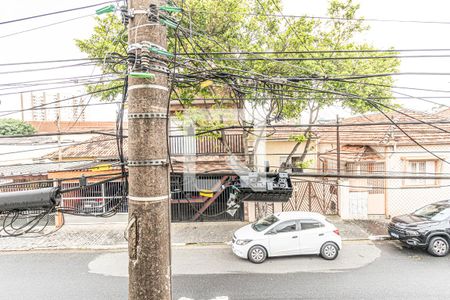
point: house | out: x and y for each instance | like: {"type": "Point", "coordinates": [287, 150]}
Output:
{"type": "Point", "coordinates": [200, 175]}
{"type": "Point", "coordinates": [387, 150]}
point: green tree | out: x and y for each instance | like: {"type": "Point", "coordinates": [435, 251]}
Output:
{"type": "Point", "coordinates": [15, 127]}
{"type": "Point", "coordinates": [307, 85]}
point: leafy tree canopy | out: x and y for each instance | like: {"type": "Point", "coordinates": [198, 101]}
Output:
{"type": "Point", "coordinates": [250, 26]}
{"type": "Point", "coordinates": [15, 127]}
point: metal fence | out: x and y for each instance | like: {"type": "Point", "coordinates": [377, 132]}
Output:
{"type": "Point", "coordinates": [185, 193]}
{"type": "Point", "coordinates": [314, 195]}
{"type": "Point", "coordinates": [187, 201]}
{"type": "Point", "coordinates": [96, 199]}
{"type": "Point", "coordinates": [180, 145]}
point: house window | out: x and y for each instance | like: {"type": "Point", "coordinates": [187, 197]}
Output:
{"type": "Point", "coordinates": [421, 168]}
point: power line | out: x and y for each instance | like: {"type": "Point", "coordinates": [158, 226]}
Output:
{"type": "Point", "coordinates": [64, 106]}
{"type": "Point", "coordinates": [366, 176]}
{"type": "Point", "coordinates": [56, 147]}
{"type": "Point", "coordinates": [58, 134]}
{"type": "Point", "coordinates": [87, 64]}
{"type": "Point", "coordinates": [62, 100]}
{"type": "Point", "coordinates": [314, 51]}
{"type": "Point", "coordinates": [332, 58]}
{"type": "Point", "coordinates": [57, 84]}
{"type": "Point", "coordinates": [370, 187]}
{"type": "Point", "coordinates": [54, 88]}
{"type": "Point", "coordinates": [49, 61]}
{"type": "Point", "coordinates": [52, 81]}
{"type": "Point", "coordinates": [215, 12]}
{"type": "Point", "coordinates": [53, 13]}
{"type": "Point", "coordinates": [44, 26]}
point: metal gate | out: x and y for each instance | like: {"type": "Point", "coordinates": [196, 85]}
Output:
{"type": "Point", "coordinates": [315, 196]}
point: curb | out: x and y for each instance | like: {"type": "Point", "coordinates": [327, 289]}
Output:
{"type": "Point", "coordinates": [380, 237]}
{"type": "Point", "coordinates": [198, 244]}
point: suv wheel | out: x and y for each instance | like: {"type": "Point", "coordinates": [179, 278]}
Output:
{"type": "Point", "coordinates": [257, 254]}
{"type": "Point", "coordinates": [438, 246]}
{"type": "Point", "coordinates": [329, 251]}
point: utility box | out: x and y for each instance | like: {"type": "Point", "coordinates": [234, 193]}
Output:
{"type": "Point", "coordinates": [265, 187]}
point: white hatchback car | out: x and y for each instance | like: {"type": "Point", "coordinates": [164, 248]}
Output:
{"type": "Point", "coordinates": [287, 233]}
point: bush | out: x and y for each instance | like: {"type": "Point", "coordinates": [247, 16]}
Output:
{"type": "Point", "coordinates": [15, 127]}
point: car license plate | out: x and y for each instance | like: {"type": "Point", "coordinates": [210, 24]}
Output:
{"type": "Point", "coordinates": [393, 234]}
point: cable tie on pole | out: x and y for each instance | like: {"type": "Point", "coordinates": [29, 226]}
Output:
{"type": "Point", "coordinates": [146, 163]}
{"type": "Point", "coordinates": [105, 10]}
{"type": "Point", "coordinates": [168, 8]}
{"type": "Point", "coordinates": [143, 75]}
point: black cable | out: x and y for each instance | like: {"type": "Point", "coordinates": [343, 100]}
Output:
{"type": "Point", "coordinates": [43, 26]}
{"type": "Point", "coordinates": [56, 147]}
{"type": "Point", "coordinates": [314, 51]}
{"type": "Point", "coordinates": [320, 17]}
{"type": "Point", "coordinates": [59, 101]}
{"type": "Point", "coordinates": [50, 61]}
{"type": "Point", "coordinates": [54, 13]}
{"type": "Point", "coordinates": [85, 64]}
{"type": "Point", "coordinates": [64, 106]}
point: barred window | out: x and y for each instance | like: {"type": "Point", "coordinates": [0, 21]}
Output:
{"type": "Point", "coordinates": [421, 169]}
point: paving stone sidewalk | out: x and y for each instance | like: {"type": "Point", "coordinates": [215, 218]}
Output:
{"type": "Point", "coordinates": [111, 235]}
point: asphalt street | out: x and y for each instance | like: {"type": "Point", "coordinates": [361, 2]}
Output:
{"type": "Point", "coordinates": [362, 271]}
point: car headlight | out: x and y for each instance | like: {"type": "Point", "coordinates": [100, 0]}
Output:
{"type": "Point", "coordinates": [242, 242]}
{"type": "Point", "coordinates": [412, 232]}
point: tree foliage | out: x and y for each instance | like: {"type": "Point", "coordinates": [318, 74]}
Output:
{"type": "Point", "coordinates": [15, 127]}
{"type": "Point", "coordinates": [248, 25]}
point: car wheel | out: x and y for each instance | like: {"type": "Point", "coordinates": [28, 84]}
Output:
{"type": "Point", "coordinates": [438, 246]}
{"type": "Point", "coordinates": [329, 251]}
{"type": "Point", "coordinates": [257, 254]}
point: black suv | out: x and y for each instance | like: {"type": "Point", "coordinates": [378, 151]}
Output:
{"type": "Point", "coordinates": [427, 227]}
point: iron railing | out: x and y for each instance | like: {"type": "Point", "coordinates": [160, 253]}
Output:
{"type": "Point", "coordinates": [185, 193]}
{"type": "Point", "coordinates": [182, 145]}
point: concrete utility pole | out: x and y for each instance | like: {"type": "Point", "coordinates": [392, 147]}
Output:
{"type": "Point", "coordinates": [338, 147]}
{"type": "Point", "coordinates": [149, 218]}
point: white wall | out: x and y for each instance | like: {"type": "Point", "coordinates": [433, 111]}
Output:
{"type": "Point", "coordinates": [403, 199]}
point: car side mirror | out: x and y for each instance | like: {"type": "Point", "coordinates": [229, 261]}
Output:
{"type": "Point", "coordinates": [271, 232]}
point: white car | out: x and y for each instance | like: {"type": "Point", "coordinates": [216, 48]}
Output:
{"type": "Point", "coordinates": [287, 233]}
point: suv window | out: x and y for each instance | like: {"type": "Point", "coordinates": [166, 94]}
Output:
{"type": "Point", "coordinates": [435, 212]}
{"type": "Point", "coordinates": [287, 226]}
{"type": "Point", "coordinates": [310, 224]}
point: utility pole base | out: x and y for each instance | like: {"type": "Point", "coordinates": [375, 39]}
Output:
{"type": "Point", "coordinates": [147, 235]}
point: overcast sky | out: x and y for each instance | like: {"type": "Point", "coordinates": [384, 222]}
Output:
{"type": "Point", "coordinates": [57, 42]}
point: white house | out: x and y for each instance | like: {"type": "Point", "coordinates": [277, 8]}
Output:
{"type": "Point", "coordinates": [394, 150]}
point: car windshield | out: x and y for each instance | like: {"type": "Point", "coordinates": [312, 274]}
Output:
{"type": "Point", "coordinates": [262, 224]}
{"type": "Point", "coordinates": [434, 212]}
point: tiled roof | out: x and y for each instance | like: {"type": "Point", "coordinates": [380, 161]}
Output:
{"type": "Point", "coordinates": [101, 147]}
{"type": "Point", "coordinates": [35, 169]}
{"type": "Point", "coordinates": [389, 134]}
{"type": "Point", "coordinates": [352, 153]}
{"type": "Point", "coordinates": [71, 126]}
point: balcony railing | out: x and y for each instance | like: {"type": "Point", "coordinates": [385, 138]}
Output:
{"type": "Point", "coordinates": [182, 145]}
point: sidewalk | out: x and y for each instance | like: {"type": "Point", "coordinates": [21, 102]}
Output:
{"type": "Point", "coordinates": [110, 235]}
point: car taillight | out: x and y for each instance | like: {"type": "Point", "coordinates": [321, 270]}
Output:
{"type": "Point", "coordinates": [336, 231]}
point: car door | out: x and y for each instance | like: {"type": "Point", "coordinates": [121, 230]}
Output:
{"type": "Point", "coordinates": [283, 239]}
{"type": "Point", "coordinates": [311, 236]}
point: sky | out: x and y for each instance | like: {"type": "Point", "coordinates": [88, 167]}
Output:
{"type": "Point", "coordinates": [57, 42]}
{"type": "Point", "coordinates": [401, 36]}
